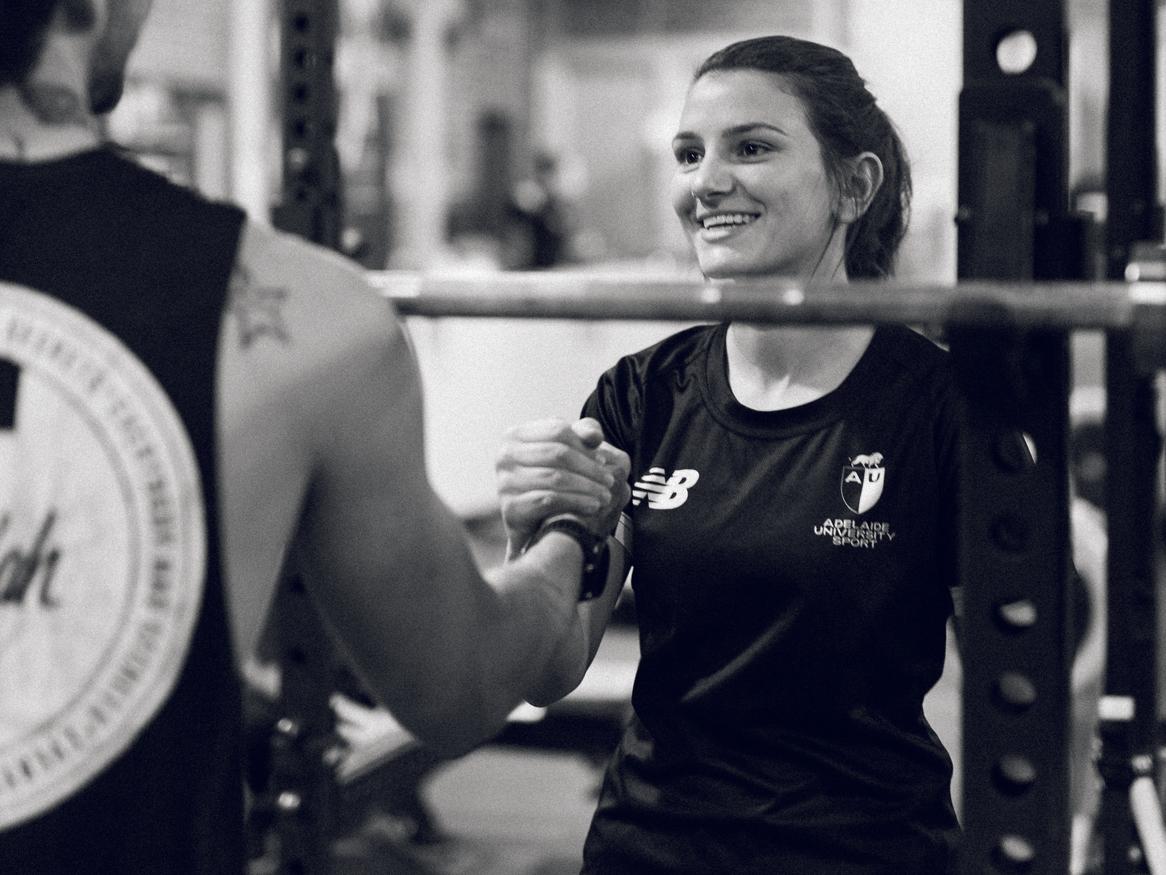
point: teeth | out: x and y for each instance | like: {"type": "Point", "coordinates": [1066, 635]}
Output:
{"type": "Point", "coordinates": [727, 219]}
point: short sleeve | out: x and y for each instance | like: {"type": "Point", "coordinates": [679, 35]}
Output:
{"type": "Point", "coordinates": [617, 404]}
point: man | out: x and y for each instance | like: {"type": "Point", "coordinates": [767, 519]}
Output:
{"type": "Point", "coordinates": [188, 400]}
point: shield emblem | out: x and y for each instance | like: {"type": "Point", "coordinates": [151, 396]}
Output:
{"type": "Point", "coordinates": [862, 487]}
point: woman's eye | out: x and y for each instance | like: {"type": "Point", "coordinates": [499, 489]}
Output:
{"type": "Point", "coordinates": [752, 149]}
{"type": "Point", "coordinates": [687, 156]}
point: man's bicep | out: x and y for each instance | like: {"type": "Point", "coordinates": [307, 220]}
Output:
{"type": "Point", "coordinates": [384, 557]}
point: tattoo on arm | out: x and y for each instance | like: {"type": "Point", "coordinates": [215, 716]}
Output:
{"type": "Point", "coordinates": [257, 309]}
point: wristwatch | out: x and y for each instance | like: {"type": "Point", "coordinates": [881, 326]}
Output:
{"type": "Point", "coordinates": [595, 554]}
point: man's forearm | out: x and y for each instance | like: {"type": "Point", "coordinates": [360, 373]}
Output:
{"type": "Point", "coordinates": [564, 669]}
{"type": "Point", "coordinates": [521, 625]}
{"type": "Point", "coordinates": [538, 594]}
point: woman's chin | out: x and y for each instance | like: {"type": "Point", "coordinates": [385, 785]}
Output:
{"type": "Point", "coordinates": [735, 265]}
{"type": "Point", "coordinates": [721, 269]}
{"type": "Point", "coordinates": [725, 271]}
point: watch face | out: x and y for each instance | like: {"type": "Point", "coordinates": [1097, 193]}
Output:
{"type": "Point", "coordinates": [102, 550]}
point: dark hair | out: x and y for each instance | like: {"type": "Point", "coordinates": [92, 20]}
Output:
{"type": "Point", "coordinates": [25, 23]}
{"type": "Point", "coordinates": [845, 119]}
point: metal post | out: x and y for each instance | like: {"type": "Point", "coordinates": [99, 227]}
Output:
{"type": "Point", "coordinates": [303, 787]}
{"type": "Point", "coordinates": [1013, 567]}
{"type": "Point", "coordinates": [1129, 721]}
{"type": "Point", "coordinates": [311, 204]}
{"type": "Point", "coordinates": [1014, 531]}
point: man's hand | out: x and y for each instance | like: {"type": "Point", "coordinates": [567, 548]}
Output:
{"type": "Point", "coordinates": [549, 466]}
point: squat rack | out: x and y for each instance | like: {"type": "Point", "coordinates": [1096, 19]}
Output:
{"type": "Point", "coordinates": [1021, 292]}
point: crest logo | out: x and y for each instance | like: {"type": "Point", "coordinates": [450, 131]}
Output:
{"type": "Point", "coordinates": [102, 550]}
{"type": "Point", "coordinates": [862, 482]}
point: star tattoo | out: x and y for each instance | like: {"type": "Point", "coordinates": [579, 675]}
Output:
{"type": "Point", "coordinates": [258, 309]}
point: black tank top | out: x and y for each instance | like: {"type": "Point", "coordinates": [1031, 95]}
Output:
{"type": "Point", "coordinates": [150, 262]}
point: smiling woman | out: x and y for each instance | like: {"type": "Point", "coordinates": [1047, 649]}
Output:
{"type": "Point", "coordinates": [793, 598]}
{"type": "Point", "coordinates": [785, 131]}
{"type": "Point", "coordinates": [751, 189]}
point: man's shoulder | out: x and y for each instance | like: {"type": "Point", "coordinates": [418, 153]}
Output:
{"type": "Point", "coordinates": [319, 285]}
{"type": "Point", "coordinates": [309, 353]}
{"type": "Point", "coordinates": [277, 254]}
{"type": "Point", "coordinates": [302, 320]}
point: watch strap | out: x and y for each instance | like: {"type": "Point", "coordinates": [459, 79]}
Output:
{"type": "Point", "coordinates": [595, 553]}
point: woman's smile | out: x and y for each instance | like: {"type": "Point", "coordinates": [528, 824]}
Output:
{"type": "Point", "coordinates": [720, 226]}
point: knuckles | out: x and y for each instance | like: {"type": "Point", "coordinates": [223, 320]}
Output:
{"type": "Point", "coordinates": [559, 454]}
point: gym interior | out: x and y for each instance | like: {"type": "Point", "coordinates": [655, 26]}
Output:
{"type": "Point", "coordinates": [477, 138]}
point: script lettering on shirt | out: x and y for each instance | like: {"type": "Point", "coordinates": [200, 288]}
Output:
{"type": "Point", "coordinates": [24, 570]}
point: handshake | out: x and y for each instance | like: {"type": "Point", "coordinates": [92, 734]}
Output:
{"type": "Point", "coordinates": [549, 467]}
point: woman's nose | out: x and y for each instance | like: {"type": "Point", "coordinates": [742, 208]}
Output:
{"type": "Point", "coordinates": [711, 178]}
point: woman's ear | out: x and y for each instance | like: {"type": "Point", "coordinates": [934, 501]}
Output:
{"type": "Point", "coordinates": [865, 175]}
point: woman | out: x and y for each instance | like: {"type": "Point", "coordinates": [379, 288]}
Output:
{"type": "Point", "coordinates": [791, 522]}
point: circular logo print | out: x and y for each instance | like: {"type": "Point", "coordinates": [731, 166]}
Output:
{"type": "Point", "coordinates": [102, 550]}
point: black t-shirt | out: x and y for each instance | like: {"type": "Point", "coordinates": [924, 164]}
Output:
{"type": "Point", "coordinates": [791, 576]}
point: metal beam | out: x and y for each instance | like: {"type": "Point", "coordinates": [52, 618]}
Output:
{"type": "Point", "coordinates": [591, 295]}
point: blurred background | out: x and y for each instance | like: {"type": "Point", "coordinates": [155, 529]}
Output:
{"type": "Point", "coordinates": [451, 110]}
{"type": "Point", "coordinates": [516, 134]}
{"type": "Point", "coordinates": [489, 135]}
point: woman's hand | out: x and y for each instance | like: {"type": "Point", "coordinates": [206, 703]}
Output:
{"type": "Point", "coordinates": [550, 466]}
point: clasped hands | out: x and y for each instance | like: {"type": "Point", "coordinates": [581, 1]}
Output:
{"type": "Point", "coordinates": [548, 467]}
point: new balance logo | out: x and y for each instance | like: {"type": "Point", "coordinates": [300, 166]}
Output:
{"type": "Point", "coordinates": [664, 493]}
